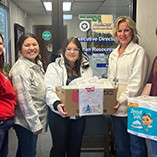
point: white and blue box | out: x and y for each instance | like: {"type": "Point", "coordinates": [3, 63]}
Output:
{"type": "Point", "coordinates": [142, 116]}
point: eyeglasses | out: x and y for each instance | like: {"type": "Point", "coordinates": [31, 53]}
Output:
{"type": "Point", "coordinates": [70, 49]}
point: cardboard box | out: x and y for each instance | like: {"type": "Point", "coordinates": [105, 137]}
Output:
{"type": "Point", "coordinates": [70, 97]}
{"type": "Point", "coordinates": [142, 116]}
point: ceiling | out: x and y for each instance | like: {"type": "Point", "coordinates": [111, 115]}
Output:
{"type": "Point", "coordinates": [117, 7]}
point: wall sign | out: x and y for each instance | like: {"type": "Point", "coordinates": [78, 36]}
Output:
{"type": "Point", "coordinates": [99, 33]}
{"type": "Point", "coordinates": [84, 26]}
{"type": "Point", "coordinates": [46, 35]}
{"type": "Point", "coordinates": [18, 31]}
{"type": "Point", "coordinates": [97, 39]}
{"type": "Point", "coordinates": [99, 23]}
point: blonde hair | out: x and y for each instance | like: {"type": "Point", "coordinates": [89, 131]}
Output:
{"type": "Point", "coordinates": [130, 23]}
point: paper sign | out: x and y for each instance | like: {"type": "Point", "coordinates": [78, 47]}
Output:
{"type": "Point", "coordinates": [90, 101]}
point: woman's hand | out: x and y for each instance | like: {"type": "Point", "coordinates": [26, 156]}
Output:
{"type": "Point", "coordinates": [116, 108]}
{"type": "Point", "coordinates": [38, 132]}
{"type": "Point", "coordinates": [60, 109]}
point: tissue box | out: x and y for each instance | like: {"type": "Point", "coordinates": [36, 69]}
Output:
{"type": "Point", "coordinates": [70, 97]}
{"type": "Point", "coordinates": [142, 116]}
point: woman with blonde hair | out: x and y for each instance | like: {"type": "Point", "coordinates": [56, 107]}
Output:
{"type": "Point", "coordinates": [127, 70]}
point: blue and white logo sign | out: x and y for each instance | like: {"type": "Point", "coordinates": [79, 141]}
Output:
{"type": "Point", "coordinates": [84, 26]}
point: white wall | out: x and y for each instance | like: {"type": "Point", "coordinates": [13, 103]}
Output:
{"type": "Point", "coordinates": [146, 25]}
{"type": "Point", "coordinates": [19, 17]}
{"type": "Point", "coordinates": [41, 20]}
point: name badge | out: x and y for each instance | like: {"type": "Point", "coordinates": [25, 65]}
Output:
{"type": "Point", "coordinates": [115, 82]}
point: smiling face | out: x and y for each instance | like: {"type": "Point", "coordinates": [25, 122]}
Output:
{"type": "Point", "coordinates": [30, 49]}
{"type": "Point", "coordinates": [72, 54]}
{"type": "Point", "coordinates": [124, 34]}
{"type": "Point", "coordinates": [146, 120]}
{"type": "Point", "coordinates": [1, 45]}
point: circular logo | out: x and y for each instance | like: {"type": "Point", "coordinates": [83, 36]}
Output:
{"type": "Point", "coordinates": [84, 26]}
{"type": "Point", "coordinates": [46, 35]}
{"type": "Point", "coordinates": [49, 47]}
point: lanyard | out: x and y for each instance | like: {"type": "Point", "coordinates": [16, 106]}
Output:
{"type": "Point", "coordinates": [115, 79]}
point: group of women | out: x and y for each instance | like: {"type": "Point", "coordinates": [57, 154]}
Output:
{"type": "Point", "coordinates": [38, 104]}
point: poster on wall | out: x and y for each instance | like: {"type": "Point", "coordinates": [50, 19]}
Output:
{"type": "Point", "coordinates": [18, 31]}
{"type": "Point", "coordinates": [100, 42]}
{"type": "Point", "coordinates": [98, 23]}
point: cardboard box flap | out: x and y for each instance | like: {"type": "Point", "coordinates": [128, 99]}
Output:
{"type": "Point", "coordinates": [60, 93]}
{"type": "Point", "coordinates": [69, 97]}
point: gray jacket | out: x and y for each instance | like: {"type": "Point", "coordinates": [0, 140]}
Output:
{"type": "Point", "coordinates": [28, 82]}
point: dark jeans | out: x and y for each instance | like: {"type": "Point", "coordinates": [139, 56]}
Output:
{"type": "Point", "coordinates": [26, 142]}
{"type": "Point", "coordinates": [127, 145]}
{"type": "Point", "coordinates": [4, 127]}
{"type": "Point", "coordinates": [154, 147]}
{"type": "Point", "coordinates": [66, 135]}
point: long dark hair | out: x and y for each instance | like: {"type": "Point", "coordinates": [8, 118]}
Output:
{"type": "Point", "coordinates": [23, 37]}
{"type": "Point", "coordinates": [81, 53]}
{"type": "Point", "coordinates": [1, 57]}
